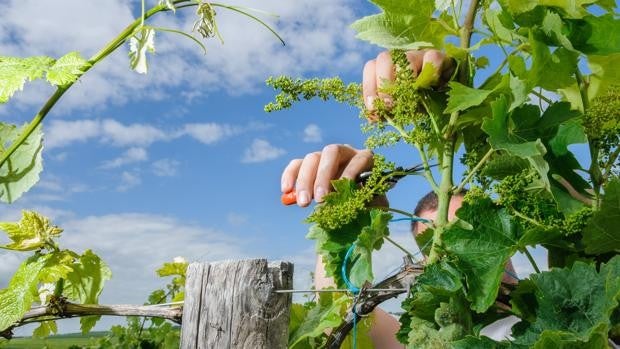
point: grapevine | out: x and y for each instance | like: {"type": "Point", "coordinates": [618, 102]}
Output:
{"type": "Point", "coordinates": [516, 127]}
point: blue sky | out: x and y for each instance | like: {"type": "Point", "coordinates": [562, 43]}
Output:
{"type": "Point", "coordinates": [183, 161]}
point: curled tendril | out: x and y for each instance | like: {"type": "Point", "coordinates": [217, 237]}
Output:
{"type": "Point", "coordinates": [206, 25]}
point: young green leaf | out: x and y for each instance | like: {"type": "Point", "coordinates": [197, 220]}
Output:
{"type": "Point", "coordinates": [308, 323]}
{"type": "Point", "coordinates": [21, 292]}
{"type": "Point", "coordinates": [370, 239]}
{"type": "Point", "coordinates": [482, 253]}
{"type": "Point", "coordinates": [590, 35]}
{"type": "Point", "coordinates": [463, 97]}
{"type": "Point", "coordinates": [403, 25]}
{"type": "Point", "coordinates": [66, 69]}
{"type": "Point", "coordinates": [45, 329]}
{"type": "Point", "coordinates": [139, 44]}
{"type": "Point", "coordinates": [85, 283]}
{"type": "Point", "coordinates": [32, 232]}
{"type": "Point", "coordinates": [551, 70]}
{"type": "Point", "coordinates": [501, 137]}
{"type": "Point", "coordinates": [436, 312]}
{"type": "Point", "coordinates": [572, 306]}
{"type": "Point", "coordinates": [21, 171]}
{"type": "Point", "coordinates": [15, 72]}
{"type": "Point", "coordinates": [602, 234]}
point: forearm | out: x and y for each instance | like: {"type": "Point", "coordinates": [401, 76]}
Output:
{"type": "Point", "coordinates": [321, 280]}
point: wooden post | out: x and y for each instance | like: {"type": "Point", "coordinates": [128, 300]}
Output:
{"type": "Point", "coordinates": [232, 304]}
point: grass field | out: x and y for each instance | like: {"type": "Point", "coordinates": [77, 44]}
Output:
{"type": "Point", "coordinates": [55, 342]}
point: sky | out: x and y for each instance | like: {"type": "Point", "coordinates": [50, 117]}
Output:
{"type": "Point", "coordinates": [183, 161]}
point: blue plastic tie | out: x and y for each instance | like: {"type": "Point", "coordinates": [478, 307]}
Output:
{"type": "Point", "coordinates": [411, 219]}
{"type": "Point", "coordinates": [343, 270]}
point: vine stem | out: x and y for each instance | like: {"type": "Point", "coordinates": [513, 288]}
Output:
{"type": "Point", "coordinates": [532, 261]}
{"type": "Point", "coordinates": [595, 171]}
{"type": "Point", "coordinates": [472, 173]}
{"type": "Point", "coordinates": [67, 309]}
{"type": "Point", "coordinates": [60, 91]}
{"type": "Point", "coordinates": [447, 159]}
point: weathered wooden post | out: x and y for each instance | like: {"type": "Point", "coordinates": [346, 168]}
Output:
{"type": "Point", "coordinates": [232, 304]}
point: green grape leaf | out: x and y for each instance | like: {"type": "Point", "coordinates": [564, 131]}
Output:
{"type": "Point", "coordinates": [45, 329]}
{"type": "Point", "coordinates": [471, 342]}
{"type": "Point", "coordinates": [568, 307]}
{"type": "Point", "coordinates": [436, 311]}
{"type": "Point", "coordinates": [462, 97]}
{"type": "Point", "coordinates": [551, 71]}
{"type": "Point", "coordinates": [85, 283]}
{"type": "Point", "coordinates": [15, 72]}
{"type": "Point", "coordinates": [570, 8]}
{"type": "Point", "coordinates": [429, 76]}
{"type": "Point", "coordinates": [310, 322]}
{"type": "Point", "coordinates": [590, 35]}
{"type": "Point", "coordinates": [404, 25]}
{"type": "Point", "coordinates": [21, 170]}
{"type": "Point", "coordinates": [139, 44]}
{"type": "Point", "coordinates": [499, 167]}
{"type": "Point", "coordinates": [176, 268]}
{"type": "Point", "coordinates": [482, 252]}
{"type": "Point", "coordinates": [568, 133]}
{"type": "Point", "coordinates": [605, 72]}
{"type": "Point", "coordinates": [32, 232]}
{"type": "Point", "coordinates": [66, 69]}
{"type": "Point", "coordinates": [602, 235]}
{"type": "Point", "coordinates": [502, 136]}
{"type": "Point", "coordinates": [371, 238]}
{"type": "Point", "coordinates": [554, 28]}
{"type": "Point", "coordinates": [16, 299]}
{"type": "Point", "coordinates": [59, 264]}
{"type": "Point", "coordinates": [520, 92]}
{"type": "Point", "coordinates": [493, 19]}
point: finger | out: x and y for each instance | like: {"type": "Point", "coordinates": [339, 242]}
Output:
{"type": "Point", "coordinates": [289, 175]}
{"type": "Point", "coordinates": [415, 59]}
{"type": "Point", "coordinates": [436, 58]}
{"type": "Point", "coordinates": [361, 162]}
{"type": "Point", "coordinates": [384, 72]}
{"type": "Point", "coordinates": [369, 84]}
{"type": "Point", "coordinates": [333, 157]}
{"type": "Point", "coordinates": [305, 179]}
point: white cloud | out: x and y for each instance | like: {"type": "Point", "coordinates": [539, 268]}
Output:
{"type": "Point", "coordinates": [165, 167]}
{"type": "Point", "coordinates": [313, 134]}
{"type": "Point", "coordinates": [128, 181]}
{"type": "Point", "coordinates": [261, 150]}
{"type": "Point", "coordinates": [316, 32]}
{"type": "Point", "coordinates": [130, 156]}
{"type": "Point", "coordinates": [131, 135]}
{"type": "Point", "coordinates": [210, 133]}
{"type": "Point", "coordinates": [134, 245]}
{"type": "Point", "coordinates": [60, 133]}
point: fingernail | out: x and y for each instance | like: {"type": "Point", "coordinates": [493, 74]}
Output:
{"type": "Point", "coordinates": [370, 102]}
{"type": "Point", "coordinates": [285, 186]}
{"type": "Point", "coordinates": [303, 198]}
{"type": "Point", "coordinates": [389, 102]}
{"type": "Point", "coordinates": [319, 192]}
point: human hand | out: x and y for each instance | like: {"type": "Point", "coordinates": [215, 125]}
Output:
{"type": "Point", "coordinates": [379, 71]}
{"type": "Point", "coordinates": [311, 176]}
